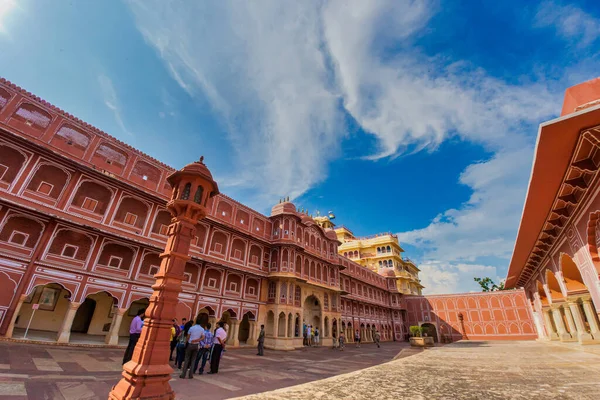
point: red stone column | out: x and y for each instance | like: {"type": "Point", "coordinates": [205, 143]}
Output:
{"type": "Point", "coordinates": [148, 373]}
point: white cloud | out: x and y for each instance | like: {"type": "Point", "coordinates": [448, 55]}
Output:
{"type": "Point", "coordinates": [112, 101]}
{"type": "Point", "coordinates": [262, 67]}
{"type": "Point", "coordinates": [6, 6]}
{"type": "Point", "coordinates": [569, 21]}
{"type": "Point", "coordinates": [440, 278]}
{"type": "Point", "coordinates": [282, 75]}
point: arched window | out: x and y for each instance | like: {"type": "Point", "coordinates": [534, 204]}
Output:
{"type": "Point", "coordinates": [272, 292]}
{"type": "Point", "coordinates": [283, 293]}
{"type": "Point", "coordinates": [389, 249]}
{"type": "Point", "coordinates": [185, 195]}
{"type": "Point", "coordinates": [297, 295]}
{"type": "Point", "coordinates": [198, 195]}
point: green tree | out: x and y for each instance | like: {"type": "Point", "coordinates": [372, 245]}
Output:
{"type": "Point", "coordinates": [488, 285]}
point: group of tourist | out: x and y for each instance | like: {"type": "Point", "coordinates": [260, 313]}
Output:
{"type": "Point", "coordinates": [195, 345]}
{"type": "Point", "coordinates": [310, 336]}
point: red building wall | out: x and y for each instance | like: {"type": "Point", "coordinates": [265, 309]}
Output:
{"type": "Point", "coordinates": [485, 316]}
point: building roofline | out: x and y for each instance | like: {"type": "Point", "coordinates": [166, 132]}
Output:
{"type": "Point", "coordinates": [555, 145]}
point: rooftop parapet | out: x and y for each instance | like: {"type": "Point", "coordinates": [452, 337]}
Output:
{"type": "Point", "coordinates": [582, 96]}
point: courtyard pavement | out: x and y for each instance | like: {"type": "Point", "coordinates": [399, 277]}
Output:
{"type": "Point", "coordinates": [467, 370]}
{"type": "Point", "coordinates": [464, 370]}
{"type": "Point", "coordinates": [40, 371]}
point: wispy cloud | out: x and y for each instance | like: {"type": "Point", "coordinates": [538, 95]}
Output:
{"type": "Point", "coordinates": [570, 22]}
{"type": "Point", "coordinates": [284, 77]}
{"type": "Point", "coordinates": [112, 101]}
{"type": "Point", "coordinates": [439, 277]}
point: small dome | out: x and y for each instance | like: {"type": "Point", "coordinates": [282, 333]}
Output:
{"type": "Point", "coordinates": [287, 207]}
{"type": "Point", "coordinates": [195, 168]}
{"type": "Point", "coordinates": [330, 233]}
{"type": "Point", "coordinates": [307, 218]}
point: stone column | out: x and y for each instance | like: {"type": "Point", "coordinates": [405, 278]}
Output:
{"type": "Point", "coordinates": [13, 320]}
{"type": "Point", "coordinates": [147, 375]}
{"type": "Point", "coordinates": [570, 322]}
{"type": "Point", "coordinates": [552, 335]}
{"type": "Point", "coordinates": [582, 335]}
{"type": "Point", "coordinates": [64, 334]}
{"type": "Point", "coordinates": [235, 331]}
{"type": "Point", "coordinates": [113, 334]}
{"type": "Point", "coordinates": [560, 326]}
{"type": "Point", "coordinates": [276, 326]}
{"type": "Point", "coordinates": [252, 334]}
{"type": "Point", "coordinates": [590, 315]}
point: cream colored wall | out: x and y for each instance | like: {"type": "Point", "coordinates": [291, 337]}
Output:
{"type": "Point", "coordinates": [44, 320]}
{"type": "Point", "coordinates": [103, 305]}
{"type": "Point", "coordinates": [124, 329]}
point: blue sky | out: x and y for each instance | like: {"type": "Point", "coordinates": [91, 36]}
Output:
{"type": "Point", "coordinates": [416, 117]}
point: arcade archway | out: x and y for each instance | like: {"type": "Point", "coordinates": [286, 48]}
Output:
{"type": "Point", "coordinates": [52, 302]}
{"type": "Point", "coordinates": [312, 311]}
{"type": "Point", "coordinates": [430, 330]}
{"type": "Point", "coordinates": [244, 333]}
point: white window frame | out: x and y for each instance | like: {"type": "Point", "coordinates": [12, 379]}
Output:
{"type": "Point", "coordinates": [94, 202]}
{"type": "Point", "coordinates": [46, 183]}
{"type": "Point", "coordinates": [3, 171]}
{"type": "Point", "coordinates": [212, 283]}
{"type": "Point", "coordinates": [237, 254]}
{"type": "Point", "coordinates": [254, 260]}
{"type": "Point", "coordinates": [135, 217]}
{"type": "Point", "coordinates": [166, 228]}
{"type": "Point", "coordinates": [187, 277]}
{"type": "Point", "coordinates": [116, 258]}
{"type": "Point", "coordinates": [232, 287]}
{"type": "Point", "coordinates": [65, 247]}
{"type": "Point", "coordinates": [251, 290]}
{"type": "Point", "coordinates": [12, 235]}
{"type": "Point", "coordinates": [218, 248]}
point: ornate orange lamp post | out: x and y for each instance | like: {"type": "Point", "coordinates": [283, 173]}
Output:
{"type": "Point", "coordinates": [148, 373]}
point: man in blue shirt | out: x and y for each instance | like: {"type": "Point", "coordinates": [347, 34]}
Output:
{"type": "Point", "coordinates": [205, 348]}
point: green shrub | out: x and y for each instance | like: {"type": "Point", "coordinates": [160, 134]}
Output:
{"type": "Point", "coordinates": [416, 331]}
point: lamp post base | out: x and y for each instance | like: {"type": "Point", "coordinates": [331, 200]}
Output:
{"type": "Point", "coordinates": [153, 385]}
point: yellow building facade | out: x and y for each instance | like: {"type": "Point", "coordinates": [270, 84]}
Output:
{"type": "Point", "coordinates": [380, 253]}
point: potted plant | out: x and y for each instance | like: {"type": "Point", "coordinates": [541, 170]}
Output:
{"type": "Point", "coordinates": [417, 338]}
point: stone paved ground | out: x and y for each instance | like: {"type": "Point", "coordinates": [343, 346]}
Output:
{"type": "Point", "coordinates": [466, 370]}
{"type": "Point", "coordinates": [39, 371]}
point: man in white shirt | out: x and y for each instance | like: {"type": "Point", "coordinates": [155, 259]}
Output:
{"type": "Point", "coordinates": [194, 336]}
{"type": "Point", "coordinates": [218, 346]}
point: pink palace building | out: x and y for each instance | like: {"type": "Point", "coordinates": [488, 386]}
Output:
{"type": "Point", "coordinates": [83, 221]}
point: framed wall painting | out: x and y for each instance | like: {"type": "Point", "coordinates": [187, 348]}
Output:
{"type": "Point", "coordinates": [49, 298]}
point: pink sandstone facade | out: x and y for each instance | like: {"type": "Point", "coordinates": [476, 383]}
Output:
{"type": "Point", "coordinates": [83, 220]}
{"type": "Point", "coordinates": [556, 253]}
